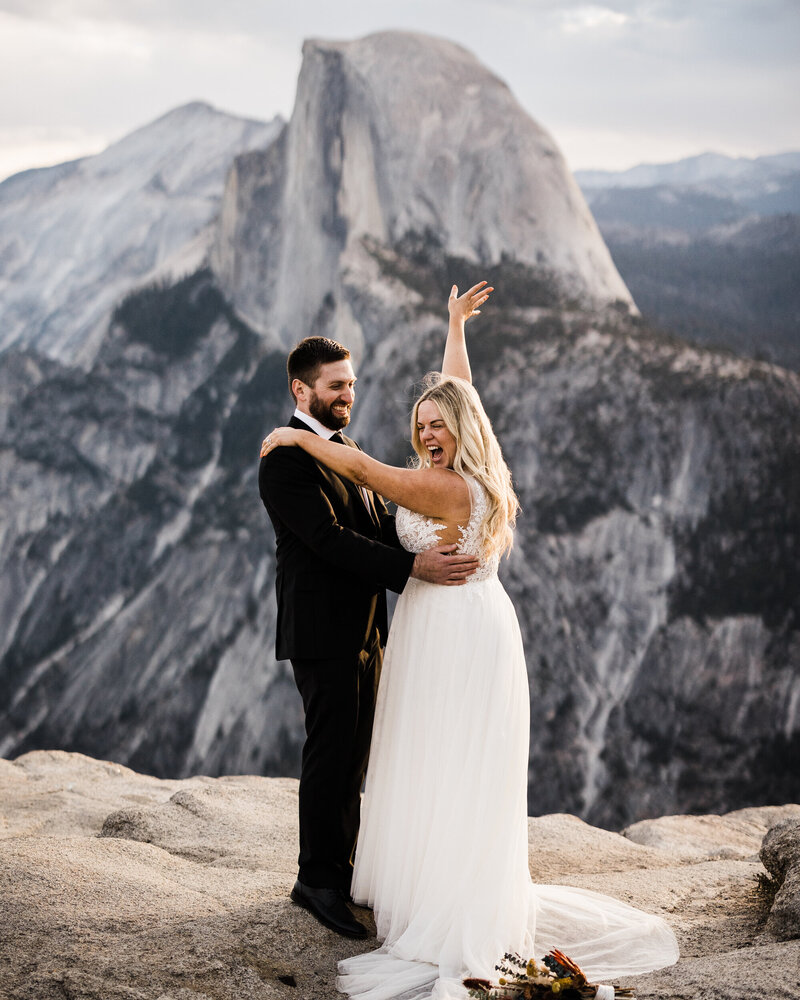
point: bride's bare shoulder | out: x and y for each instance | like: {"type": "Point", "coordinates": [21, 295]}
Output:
{"type": "Point", "coordinates": [446, 491]}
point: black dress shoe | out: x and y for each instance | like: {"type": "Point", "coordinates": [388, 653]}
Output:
{"type": "Point", "coordinates": [329, 908]}
{"type": "Point", "coordinates": [345, 893]}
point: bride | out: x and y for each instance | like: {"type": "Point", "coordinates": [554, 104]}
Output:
{"type": "Point", "coordinates": [442, 855]}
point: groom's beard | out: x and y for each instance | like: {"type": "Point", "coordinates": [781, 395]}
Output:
{"type": "Point", "coordinates": [324, 413]}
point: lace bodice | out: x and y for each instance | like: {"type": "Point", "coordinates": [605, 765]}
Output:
{"type": "Point", "coordinates": [418, 532]}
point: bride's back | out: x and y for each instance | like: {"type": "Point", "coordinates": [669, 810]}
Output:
{"type": "Point", "coordinates": [418, 532]}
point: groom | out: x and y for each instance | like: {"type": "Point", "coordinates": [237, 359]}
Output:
{"type": "Point", "coordinates": [337, 552]}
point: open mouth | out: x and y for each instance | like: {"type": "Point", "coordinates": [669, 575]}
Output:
{"type": "Point", "coordinates": [435, 453]}
{"type": "Point", "coordinates": [340, 410]}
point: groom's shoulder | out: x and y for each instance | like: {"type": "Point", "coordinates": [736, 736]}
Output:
{"type": "Point", "coordinates": [285, 458]}
{"type": "Point", "coordinates": [284, 469]}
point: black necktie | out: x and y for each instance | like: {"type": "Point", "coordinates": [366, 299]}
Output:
{"type": "Point", "coordinates": [361, 490]}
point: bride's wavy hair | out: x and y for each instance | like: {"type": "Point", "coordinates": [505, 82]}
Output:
{"type": "Point", "coordinates": [478, 453]}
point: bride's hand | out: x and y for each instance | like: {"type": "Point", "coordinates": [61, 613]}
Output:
{"type": "Point", "coordinates": [466, 305]}
{"type": "Point", "coordinates": [280, 437]}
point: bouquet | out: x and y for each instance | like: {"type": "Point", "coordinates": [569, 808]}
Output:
{"type": "Point", "coordinates": [555, 976]}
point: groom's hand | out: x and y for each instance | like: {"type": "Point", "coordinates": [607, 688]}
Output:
{"type": "Point", "coordinates": [438, 566]}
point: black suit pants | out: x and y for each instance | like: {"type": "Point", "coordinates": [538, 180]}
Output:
{"type": "Point", "coordinates": [339, 700]}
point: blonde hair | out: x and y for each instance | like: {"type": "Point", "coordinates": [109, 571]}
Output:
{"type": "Point", "coordinates": [477, 454]}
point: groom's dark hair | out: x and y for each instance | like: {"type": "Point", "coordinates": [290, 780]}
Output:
{"type": "Point", "coordinates": [309, 356]}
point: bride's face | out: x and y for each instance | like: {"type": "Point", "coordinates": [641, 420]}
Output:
{"type": "Point", "coordinates": [434, 435]}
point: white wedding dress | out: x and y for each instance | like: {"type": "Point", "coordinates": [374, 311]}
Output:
{"type": "Point", "coordinates": [442, 855]}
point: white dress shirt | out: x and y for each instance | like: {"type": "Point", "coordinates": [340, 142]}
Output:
{"type": "Point", "coordinates": [315, 425]}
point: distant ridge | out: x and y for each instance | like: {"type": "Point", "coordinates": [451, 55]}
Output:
{"type": "Point", "coordinates": [692, 170]}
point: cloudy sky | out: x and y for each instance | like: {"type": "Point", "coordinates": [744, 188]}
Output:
{"type": "Point", "coordinates": [617, 82]}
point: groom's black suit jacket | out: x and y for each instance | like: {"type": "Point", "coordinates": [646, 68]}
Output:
{"type": "Point", "coordinates": [335, 556]}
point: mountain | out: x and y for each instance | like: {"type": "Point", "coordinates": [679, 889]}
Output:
{"type": "Point", "coordinates": [76, 237]}
{"type": "Point", "coordinates": [709, 247]}
{"type": "Point", "coordinates": [137, 577]}
{"type": "Point", "coordinates": [767, 185]}
{"type": "Point", "coordinates": [457, 157]}
{"type": "Point", "coordinates": [655, 570]}
{"type": "Point", "coordinates": [765, 179]}
{"type": "Point", "coordinates": [668, 214]}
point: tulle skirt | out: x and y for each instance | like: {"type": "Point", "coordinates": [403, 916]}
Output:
{"type": "Point", "coordinates": [442, 854]}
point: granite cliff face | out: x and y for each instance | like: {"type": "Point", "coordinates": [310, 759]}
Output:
{"type": "Point", "coordinates": [137, 583]}
{"type": "Point", "coordinates": [456, 157]}
{"type": "Point", "coordinates": [655, 571]}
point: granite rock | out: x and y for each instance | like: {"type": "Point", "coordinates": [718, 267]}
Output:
{"type": "Point", "coordinates": [738, 834]}
{"type": "Point", "coordinates": [780, 854]}
{"type": "Point", "coordinates": [119, 886]}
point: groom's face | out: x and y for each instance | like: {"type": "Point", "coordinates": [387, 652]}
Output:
{"type": "Point", "coordinates": [332, 395]}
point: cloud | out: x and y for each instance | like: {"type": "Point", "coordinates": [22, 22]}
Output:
{"type": "Point", "coordinates": [616, 81]}
{"type": "Point", "coordinates": [621, 82]}
{"type": "Point", "coordinates": [106, 75]}
{"type": "Point", "coordinates": [592, 17]}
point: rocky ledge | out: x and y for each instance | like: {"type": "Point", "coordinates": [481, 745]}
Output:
{"type": "Point", "coordinates": [119, 886]}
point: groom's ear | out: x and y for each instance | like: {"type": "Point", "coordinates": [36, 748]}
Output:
{"type": "Point", "coordinates": [298, 389]}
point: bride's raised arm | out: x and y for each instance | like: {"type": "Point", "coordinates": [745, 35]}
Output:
{"type": "Point", "coordinates": [461, 307]}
